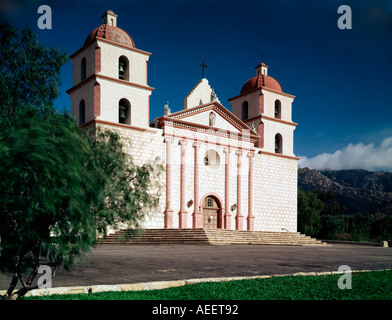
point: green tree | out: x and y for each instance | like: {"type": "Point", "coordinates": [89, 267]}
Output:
{"type": "Point", "coordinates": [58, 186]}
{"type": "Point", "coordinates": [309, 209]}
{"type": "Point", "coordinates": [29, 74]}
{"type": "Point", "coordinates": [331, 206]}
{"type": "Point", "coordinates": [58, 189]}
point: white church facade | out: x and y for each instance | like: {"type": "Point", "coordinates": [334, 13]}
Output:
{"type": "Point", "coordinates": [223, 169]}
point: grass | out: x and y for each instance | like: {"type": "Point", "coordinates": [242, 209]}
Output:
{"type": "Point", "coordinates": [374, 285]}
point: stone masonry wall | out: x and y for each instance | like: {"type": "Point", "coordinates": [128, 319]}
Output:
{"type": "Point", "coordinates": [275, 193]}
{"type": "Point", "coordinates": [274, 179]}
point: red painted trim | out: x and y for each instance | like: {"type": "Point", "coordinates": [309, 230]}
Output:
{"type": "Point", "coordinates": [245, 94]}
{"type": "Point", "coordinates": [82, 49]}
{"type": "Point", "coordinates": [125, 126]}
{"type": "Point", "coordinates": [212, 194]}
{"type": "Point", "coordinates": [131, 84]}
{"type": "Point", "coordinates": [208, 109]}
{"type": "Point", "coordinates": [280, 121]}
{"type": "Point", "coordinates": [197, 219]}
{"type": "Point", "coordinates": [209, 142]}
{"type": "Point", "coordinates": [95, 76]}
{"type": "Point", "coordinates": [97, 99]}
{"type": "Point", "coordinates": [216, 106]}
{"type": "Point", "coordinates": [123, 46]}
{"type": "Point", "coordinates": [216, 131]}
{"type": "Point", "coordinates": [183, 212]}
{"type": "Point", "coordinates": [261, 103]}
{"type": "Point", "coordinates": [81, 84]}
{"type": "Point", "coordinates": [227, 224]}
{"type": "Point", "coordinates": [277, 155]}
{"type": "Point", "coordinates": [262, 88]}
{"type": "Point", "coordinates": [260, 141]}
{"type": "Point", "coordinates": [238, 218]}
{"type": "Point", "coordinates": [252, 119]}
{"type": "Point", "coordinates": [97, 59]}
{"type": "Point", "coordinates": [278, 92]}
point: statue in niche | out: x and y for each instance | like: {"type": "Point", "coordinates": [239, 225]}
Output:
{"type": "Point", "coordinates": [212, 119]}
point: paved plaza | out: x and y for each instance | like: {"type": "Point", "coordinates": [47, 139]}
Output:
{"type": "Point", "coordinates": [118, 264]}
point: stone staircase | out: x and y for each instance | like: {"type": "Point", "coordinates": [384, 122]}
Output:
{"type": "Point", "coordinates": [210, 237]}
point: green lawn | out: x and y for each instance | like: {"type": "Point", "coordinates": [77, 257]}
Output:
{"type": "Point", "coordinates": [375, 285]}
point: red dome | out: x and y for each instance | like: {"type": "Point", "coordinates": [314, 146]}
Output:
{"type": "Point", "coordinates": [261, 81]}
{"type": "Point", "coordinates": [111, 33]}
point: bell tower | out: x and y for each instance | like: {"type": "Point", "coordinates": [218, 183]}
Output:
{"type": "Point", "coordinates": [264, 107]}
{"type": "Point", "coordinates": [110, 78]}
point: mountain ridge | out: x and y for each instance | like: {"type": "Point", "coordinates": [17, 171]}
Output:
{"type": "Point", "coordinates": [360, 191]}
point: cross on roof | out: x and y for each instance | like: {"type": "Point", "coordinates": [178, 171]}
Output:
{"type": "Point", "coordinates": [203, 66]}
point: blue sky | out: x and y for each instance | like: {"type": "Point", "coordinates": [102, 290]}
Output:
{"type": "Point", "coordinates": [342, 79]}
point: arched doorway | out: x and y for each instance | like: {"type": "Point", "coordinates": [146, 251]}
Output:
{"type": "Point", "coordinates": [211, 212]}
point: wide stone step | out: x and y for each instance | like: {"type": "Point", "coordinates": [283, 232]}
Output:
{"type": "Point", "coordinates": [209, 236]}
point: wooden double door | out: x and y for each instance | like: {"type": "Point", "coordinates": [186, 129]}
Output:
{"type": "Point", "coordinates": [211, 210]}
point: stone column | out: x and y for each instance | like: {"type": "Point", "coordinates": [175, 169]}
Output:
{"type": "Point", "coordinates": [183, 212]}
{"type": "Point", "coordinates": [227, 214]}
{"type": "Point", "coordinates": [239, 217]}
{"type": "Point", "coordinates": [197, 221]}
{"type": "Point", "coordinates": [169, 210]}
{"type": "Point", "coordinates": [251, 219]}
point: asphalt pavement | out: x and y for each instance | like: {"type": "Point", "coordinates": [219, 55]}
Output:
{"type": "Point", "coordinates": [122, 264]}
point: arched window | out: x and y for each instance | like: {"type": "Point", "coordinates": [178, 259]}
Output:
{"type": "Point", "coordinates": [245, 111]}
{"type": "Point", "coordinates": [83, 69]}
{"type": "Point", "coordinates": [278, 143]}
{"type": "Point", "coordinates": [124, 111]}
{"type": "Point", "coordinates": [82, 112]}
{"type": "Point", "coordinates": [211, 159]}
{"type": "Point", "coordinates": [123, 68]}
{"type": "Point", "coordinates": [278, 109]}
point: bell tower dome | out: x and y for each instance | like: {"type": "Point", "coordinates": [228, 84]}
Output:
{"type": "Point", "coordinates": [264, 106]}
{"type": "Point", "coordinates": [110, 78]}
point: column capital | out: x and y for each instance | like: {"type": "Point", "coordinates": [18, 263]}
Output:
{"type": "Point", "coordinates": [238, 153]}
{"type": "Point", "coordinates": [168, 139]}
{"type": "Point", "coordinates": [250, 154]}
{"type": "Point", "coordinates": [183, 142]}
{"type": "Point", "coordinates": [226, 150]}
{"type": "Point", "coordinates": [196, 145]}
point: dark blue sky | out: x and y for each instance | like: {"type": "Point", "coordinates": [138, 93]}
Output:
{"type": "Point", "coordinates": [342, 79]}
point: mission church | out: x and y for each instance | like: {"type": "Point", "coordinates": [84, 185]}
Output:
{"type": "Point", "coordinates": [224, 169]}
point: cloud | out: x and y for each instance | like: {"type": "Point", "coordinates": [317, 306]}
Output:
{"type": "Point", "coordinates": [358, 156]}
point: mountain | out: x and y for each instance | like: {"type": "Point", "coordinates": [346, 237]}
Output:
{"type": "Point", "coordinates": [360, 191]}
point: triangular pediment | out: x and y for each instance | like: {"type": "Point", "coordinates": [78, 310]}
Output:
{"type": "Point", "coordinates": [212, 115]}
